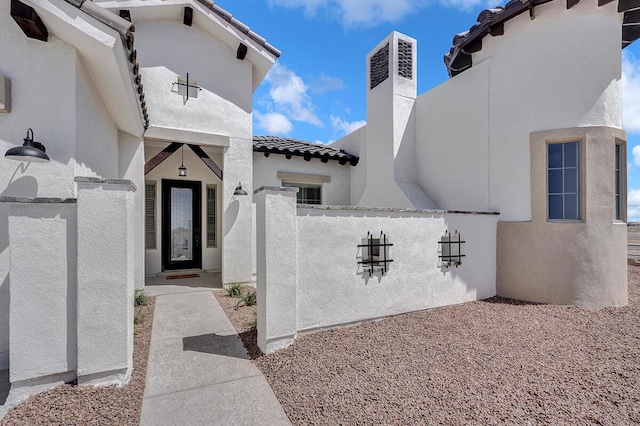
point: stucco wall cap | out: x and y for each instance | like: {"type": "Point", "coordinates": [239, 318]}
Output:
{"type": "Point", "coordinates": [37, 200]}
{"type": "Point", "coordinates": [392, 209]}
{"type": "Point", "coordinates": [99, 181]}
{"type": "Point", "coordinates": [274, 189]}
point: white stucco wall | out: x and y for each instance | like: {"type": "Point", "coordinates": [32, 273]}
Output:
{"type": "Point", "coordinates": [560, 70]}
{"type": "Point", "coordinates": [223, 106]}
{"type": "Point", "coordinates": [354, 144]}
{"type": "Point", "coordinates": [335, 192]}
{"type": "Point", "coordinates": [196, 171]}
{"type": "Point", "coordinates": [43, 297]}
{"type": "Point", "coordinates": [105, 282]}
{"type": "Point", "coordinates": [317, 249]}
{"type": "Point", "coordinates": [332, 289]}
{"type": "Point", "coordinates": [96, 135]}
{"type": "Point", "coordinates": [452, 143]}
{"type": "Point", "coordinates": [24, 62]}
{"type": "Point", "coordinates": [131, 166]}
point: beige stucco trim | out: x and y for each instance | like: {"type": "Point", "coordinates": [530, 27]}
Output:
{"type": "Point", "coordinates": [303, 178]}
{"type": "Point", "coordinates": [161, 133]}
{"type": "Point", "coordinates": [568, 262]}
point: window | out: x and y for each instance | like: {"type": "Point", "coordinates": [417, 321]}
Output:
{"type": "Point", "coordinates": [307, 193]}
{"type": "Point", "coordinates": [618, 200]}
{"type": "Point", "coordinates": [563, 180]}
{"type": "Point", "coordinates": [150, 215]}
{"type": "Point", "coordinates": [211, 216]}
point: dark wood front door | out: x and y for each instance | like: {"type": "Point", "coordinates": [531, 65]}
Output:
{"type": "Point", "coordinates": [181, 224]}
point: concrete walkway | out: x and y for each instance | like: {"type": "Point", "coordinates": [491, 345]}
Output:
{"type": "Point", "coordinates": [199, 372]}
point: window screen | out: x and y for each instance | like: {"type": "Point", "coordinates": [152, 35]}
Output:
{"type": "Point", "coordinates": [211, 216]}
{"type": "Point", "coordinates": [150, 215]}
{"type": "Point", "coordinates": [307, 193]}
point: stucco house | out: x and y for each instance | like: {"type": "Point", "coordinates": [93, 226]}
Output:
{"type": "Point", "coordinates": [151, 164]}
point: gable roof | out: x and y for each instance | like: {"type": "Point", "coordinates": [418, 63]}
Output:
{"type": "Point", "coordinates": [491, 21]}
{"type": "Point", "coordinates": [126, 30]}
{"type": "Point", "coordinates": [212, 18]}
{"type": "Point", "coordinates": [293, 147]}
{"type": "Point", "coordinates": [211, 5]}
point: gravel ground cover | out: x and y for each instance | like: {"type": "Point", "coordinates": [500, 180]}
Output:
{"type": "Point", "coordinates": [72, 405]}
{"type": "Point", "coordinates": [243, 319]}
{"type": "Point", "coordinates": [491, 362]}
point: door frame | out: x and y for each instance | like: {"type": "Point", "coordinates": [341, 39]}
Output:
{"type": "Point", "coordinates": [196, 262]}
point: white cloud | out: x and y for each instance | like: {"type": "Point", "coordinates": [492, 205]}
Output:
{"type": "Point", "coordinates": [325, 83]}
{"type": "Point", "coordinates": [289, 96]}
{"type": "Point", "coordinates": [633, 205]}
{"type": "Point", "coordinates": [273, 123]}
{"type": "Point", "coordinates": [345, 127]}
{"type": "Point", "coordinates": [631, 93]}
{"type": "Point", "coordinates": [356, 12]}
{"type": "Point", "coordinates": [471, 4]}
{"type": "Point", "coordinates": [636, 155]}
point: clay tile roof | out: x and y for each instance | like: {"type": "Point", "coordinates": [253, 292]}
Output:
{"type": "Point", "coordinates": [126, 30]}
{"type": "Point", "coordinates": [491, 21]}
{"type": "Point", "coordinates": [211, 5]}
{"type": "Point", "coordinates": [293, 147]}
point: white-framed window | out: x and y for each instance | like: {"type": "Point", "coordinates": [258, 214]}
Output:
{"type": "Point", "coordinates": [563, 180]}
{"type": "Point", "coordinates": [310, 187]}
{"type": "Point", "coordinates": [150, 215]}
{"type": "Point", "coordinates": [308, 193]}
{"type": "Point", "coordinates": [211, 216]}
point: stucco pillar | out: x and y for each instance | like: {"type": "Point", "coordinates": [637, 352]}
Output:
{"type": "Point", "coordinates": [276, 250]}
{"type": "Point", "coordinates": [237, 212]}
{"type": "Point", "coordinates": [131, 166]}
{"type": "Point", "coordinates": [106, 249]}
{"type": "Point", "coordinates": [42, 310]}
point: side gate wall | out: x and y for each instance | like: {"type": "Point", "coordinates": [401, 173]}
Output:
{"type": "Point", "coordinates": [308, 275]}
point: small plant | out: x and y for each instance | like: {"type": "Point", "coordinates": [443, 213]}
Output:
{"type": "Point", "coordinates": [139, 298]}
{"type": "Point", "coordinates": [234, 289]}
{"type": "Point", "coordinates": [247, 299]}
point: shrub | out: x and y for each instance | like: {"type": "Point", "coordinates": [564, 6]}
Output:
{"type": "Point", "coordinates": [139, 298]}
{"type": "Point", "coordinates": [249, 298]}
{"type": "Point", "coordinates": [234, 289]}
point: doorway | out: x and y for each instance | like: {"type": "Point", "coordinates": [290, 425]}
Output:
{"type": "Point", "coordinates": [181, 224]}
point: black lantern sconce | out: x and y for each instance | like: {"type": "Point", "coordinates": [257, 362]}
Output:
{"type": "Point", "coordinates": [239, 190]}
{"type": "Point", "coordinates": [31, 151]}
{"type": "Point", "coordinates": [182, 170]}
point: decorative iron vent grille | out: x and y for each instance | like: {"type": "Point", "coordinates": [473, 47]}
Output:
{"type": "Point", "coordinates": [405, 59]}
{"type": "Point", "coordinates": [375, 254]}
{"type": "Point", "coordinates": [379, 66]}
{"type": "Point", "coordinates": [451, 253]}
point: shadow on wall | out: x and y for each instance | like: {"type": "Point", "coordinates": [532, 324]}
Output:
{"type": "Point", "coordinates": [4, 328]}
{"type": "Point", "coordinates": [230, 216]}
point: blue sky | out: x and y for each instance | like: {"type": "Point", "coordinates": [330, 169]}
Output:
{"type": "Point", "coordinates": [316, 91]}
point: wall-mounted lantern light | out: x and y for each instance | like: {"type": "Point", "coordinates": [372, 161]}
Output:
{"type": "Point", "coordinates": [182, 170]}
{"type": "Point", "coordinates": [239, 190]}
{"type": "Point", "coordinates": [29, 151]}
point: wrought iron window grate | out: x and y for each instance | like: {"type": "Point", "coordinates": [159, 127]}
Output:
{"type": "Point", "coordinates": [375, 254]}
{"type": "Point", "coordinates": [451, 249]}
{"type": "Point", "coordinates": [185, 87]}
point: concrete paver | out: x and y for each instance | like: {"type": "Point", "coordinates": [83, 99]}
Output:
{"type": "Point", "coordinates": [199, 372]}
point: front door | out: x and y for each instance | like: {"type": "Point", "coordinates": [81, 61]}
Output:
{"type": "Point", "coordinates": [181, 224]}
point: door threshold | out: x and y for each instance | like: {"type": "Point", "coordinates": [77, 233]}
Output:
{"type": "Point", "coordinates": [182, 272]}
